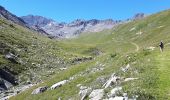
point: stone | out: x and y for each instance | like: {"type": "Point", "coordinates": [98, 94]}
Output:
{"type": "Point", "coordinates": [11, 57]}
{"type": "Point", "coordinates": [115, 90]}
{"type": "Point", "coordinates": [63, 68]}
{"type": "Point", "coordinates": [84, 92]}
{"type": "Point", "coordinates": [113, 80]}
{"type": "Point", "coordinates": [59, 84]}
{"type": "Point", "coordinates": [130, 79]}
{"type": "Point", "coordinates": [39, 90]}
{"type": "Point", "coordinates": [126, 68]}
{"type": "Point", "coordinates": [117, 98]}
{"type": "Point", "coordinates": [96, 94]}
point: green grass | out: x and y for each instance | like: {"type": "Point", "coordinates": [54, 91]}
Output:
{"type": "Point", "coordinates": [113, 48]}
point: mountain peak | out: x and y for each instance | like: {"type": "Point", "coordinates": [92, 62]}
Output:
{"type": "Point", "coordinates": [35, 20]}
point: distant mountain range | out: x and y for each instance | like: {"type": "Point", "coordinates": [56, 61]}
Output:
{"type": "Point", "coordinates": [68, 30]}
{"type": "Point", "coordinates": [63, 30]}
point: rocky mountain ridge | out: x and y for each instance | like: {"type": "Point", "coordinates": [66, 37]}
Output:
{"type": "Point", "coordinates": [74, 28]}
{"type": "Point", "coordinates": [68, 30]}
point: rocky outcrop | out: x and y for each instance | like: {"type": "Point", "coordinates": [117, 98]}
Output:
{"type": "Point", "coordinates": [5, 75]}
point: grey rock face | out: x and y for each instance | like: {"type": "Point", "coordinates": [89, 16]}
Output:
{"type": "Point", "coordinates": [5, 75]}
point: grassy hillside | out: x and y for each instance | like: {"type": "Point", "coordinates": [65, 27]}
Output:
{"type": "Point", "coordinates": [129, 43]}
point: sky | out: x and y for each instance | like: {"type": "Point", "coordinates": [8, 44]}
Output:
{"type": "Point", "coordinates": [69, 10]}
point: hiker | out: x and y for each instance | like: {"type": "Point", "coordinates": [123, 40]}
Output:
{"type": "Point", "coordinates": [161, 45]}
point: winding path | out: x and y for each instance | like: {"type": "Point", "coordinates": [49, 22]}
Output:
{"type": "Point", "coordinates": [137, 47]}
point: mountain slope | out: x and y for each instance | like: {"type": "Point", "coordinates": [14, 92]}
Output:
{"type": "Point", "coordinates": [133, 46]}
{"type": "Point", "coordinates": [9, 16]}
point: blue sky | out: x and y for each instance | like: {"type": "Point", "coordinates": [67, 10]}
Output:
{"type": "Point", "coordinates": [69, 10]}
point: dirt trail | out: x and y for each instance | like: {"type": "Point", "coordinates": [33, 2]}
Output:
{"type": "Point", "coordinates": [137, 47]}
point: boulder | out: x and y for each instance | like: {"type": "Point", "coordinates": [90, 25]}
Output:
{"type": "Point", "coordinates": [39, 90]}
{"type": "Point", "coordinates": [96, 94]}
{"type": "Point", "coordinates": [11, 57]}
{"type": "Point", "coordinates": [126, 68]}
{"type": "Point", "coordinates": [59, 84]}
{"type": "Point", "coordinates": [130, 79]}
{"type": "Point", "coordinates": [113, 80]}
{"type": "Point", "coordinates": [84, 92]}
{"type": "Point", "coordinates": [117, 98]}
{"type": "Point", "coordinates": [114, 91]}
{"type": "Point", "coordinates": [8, 76]}
{"type": "Point", "coordinates": [4, 85]}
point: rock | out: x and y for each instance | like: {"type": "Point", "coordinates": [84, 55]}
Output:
{"type": "Point", "coordinates": [139, 33]}
{"type": "Point", "coordinates": [130, 79]}
{"type": "Point", "coordinates": [125, 96]}
{"type": "Point", "coordinates": [101, 80]}
{"type": "Point", "coordinates": [132, 29]}
{"type": "Point", "coordinates": [118, 98]}
{"type": "Point", "coordinates": [113, 80]}
{"type": "Point", "coordinates": [59, 98]}
{"type": "Point", "coordinates": [59, 84]}
{"type": "Point", "coordinates": [126, 68]}
{"type": "Point", "coordinates": [78, 85]}
{"type": "Point", "coordinates": [84, 92]}
{"type": "Point", "coordinates": [39, 90]}
{"type": "Point", "coordinates": [8, 76]}
{"type": "Point", "coordinates": [82, 59]}
{"type": "Point", "coordinates": [151, 48]}
{"type": "Point", "coordinates": [11, 57]}
{"type": "Point", "coordinates": [96, 94]}
{"type": "Point", "coordinates": [63, 68]}
{"type": "Point", "coordinates": [115, 90]}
